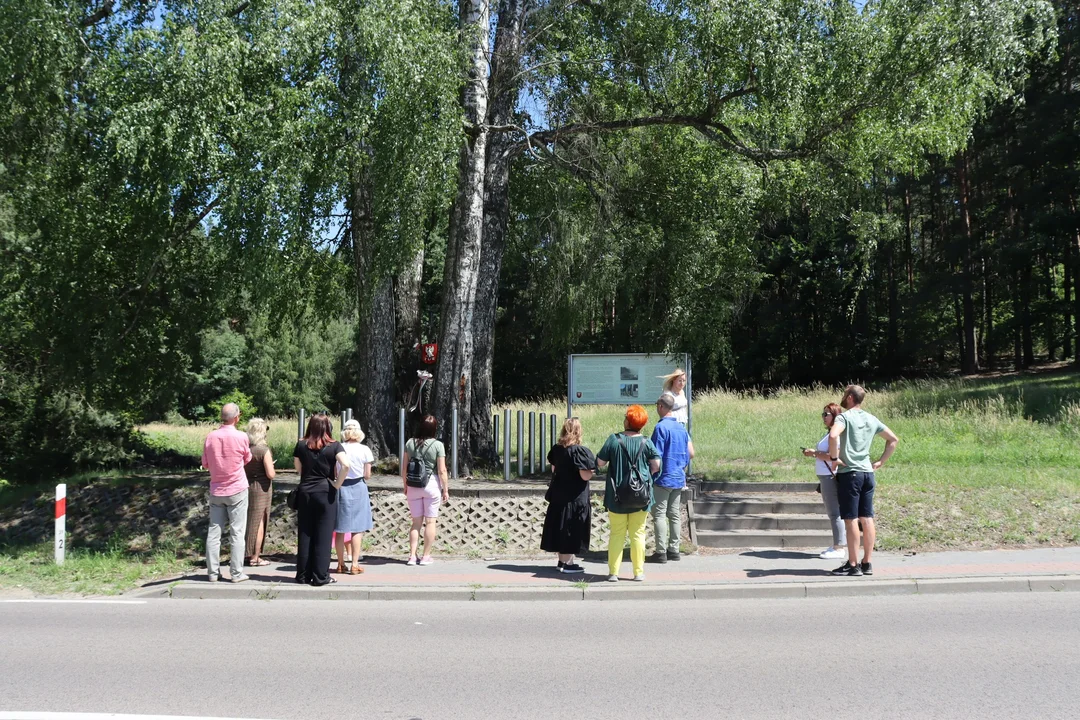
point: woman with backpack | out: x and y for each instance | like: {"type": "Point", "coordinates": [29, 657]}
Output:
{"type": "Point", "coordinates": [628, 493]}
{"type": "Point", "coordinates": [426, 484]}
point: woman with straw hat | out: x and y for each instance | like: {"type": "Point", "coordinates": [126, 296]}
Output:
{"type": "Point", "coordinates": [675, 383]}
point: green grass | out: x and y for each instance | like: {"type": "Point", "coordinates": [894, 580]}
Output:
{"type": "Point", "coordinates": [86, 572]}
{"type": "Point", "coordinates": [1002, 431]}
{"type": "Point", "coordinates": [982, 462]}
{"type": "Point", "coordinates": [188, 439]}
{"type": "Point", "coordinates": [1005, 431]}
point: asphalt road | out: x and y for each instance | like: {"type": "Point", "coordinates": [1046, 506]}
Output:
{"type": "Point", "coordinates": [949, 656]}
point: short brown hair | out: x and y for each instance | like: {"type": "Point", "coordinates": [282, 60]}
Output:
{"type": "Point", "coordinates": [856, 393]}
{"type": "Point", "coordinates": [571, 432]}
{"type": "Point", "coordinates": [834, 409]}
{"type": "Point", "coordinates": [427, 427]}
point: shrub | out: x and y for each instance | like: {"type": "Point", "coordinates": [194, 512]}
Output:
{"type": "Point", "coordinates": [61, 433]}
{"type": "Point", "coordinates": [243, 400]}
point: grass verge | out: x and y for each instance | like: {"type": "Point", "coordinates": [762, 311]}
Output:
{"type": "Point", "coordinates": [86, 572]}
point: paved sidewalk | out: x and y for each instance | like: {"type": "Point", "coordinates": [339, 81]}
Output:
{"type": "Point", "coordinates": [758, 573]}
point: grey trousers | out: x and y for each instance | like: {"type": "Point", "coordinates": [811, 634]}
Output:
{"type": "Point", "coordinates": [231, 508]}
{"type": "Point", "coordinates": [667, 518]}
{"type": "Point", "coordinates": [832, 507]}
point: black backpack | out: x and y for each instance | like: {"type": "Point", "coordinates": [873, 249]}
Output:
{"type": "Point", "coordinates": [633, 493]}
{"type": "Point", "coordinates": [416, 472]}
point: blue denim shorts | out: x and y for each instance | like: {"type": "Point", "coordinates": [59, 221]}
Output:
{"type": "Point", "coordinates": [855, 491]}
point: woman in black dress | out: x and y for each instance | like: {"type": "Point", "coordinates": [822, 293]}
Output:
{"type": "Point", "coordinates": [316, 499]}
{"type": "Point", "coordinates": [568, 521]}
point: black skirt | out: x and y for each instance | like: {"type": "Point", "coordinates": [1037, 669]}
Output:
{"type": "Point", "coordinates": [567, 527]}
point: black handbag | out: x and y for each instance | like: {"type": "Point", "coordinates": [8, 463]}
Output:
{"type": "Point", "coordinates": [290, 499]}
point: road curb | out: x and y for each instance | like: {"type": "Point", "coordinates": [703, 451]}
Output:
{"type": "Point", "coordinates": [199, 590]}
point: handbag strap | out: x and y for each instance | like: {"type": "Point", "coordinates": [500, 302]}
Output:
{"type": "Point", "coordinates": [640, 451]}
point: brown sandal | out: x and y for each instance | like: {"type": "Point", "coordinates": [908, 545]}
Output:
{"type": "Point", "coordinates": [340, 570]}
{"type": "Point", "coordinates": [356, 570]}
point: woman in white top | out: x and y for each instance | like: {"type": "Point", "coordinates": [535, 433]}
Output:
{"type": "Point", "coordinates": [827, 478]}
{"type": "Point", "coordinates": [675, 383]}
{"type": "Point", "coordinates": [354, 501]}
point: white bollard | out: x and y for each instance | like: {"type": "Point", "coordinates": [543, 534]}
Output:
{"type": "Point", "coordinates": [61, 523]}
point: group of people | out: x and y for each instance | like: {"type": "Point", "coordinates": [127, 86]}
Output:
{"type": "Point", "coordinates": [332, 501]}
{"type": "Point", "coordinates": [846, 478]}
{"type": "Point", "coordinates": [645, 476]}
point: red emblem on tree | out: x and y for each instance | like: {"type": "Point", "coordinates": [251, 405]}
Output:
{"type": "Point", "coordinates": [429, 353]}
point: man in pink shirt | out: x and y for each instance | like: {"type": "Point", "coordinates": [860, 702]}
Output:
{"type": "Point", "coordinates": [225, 453]}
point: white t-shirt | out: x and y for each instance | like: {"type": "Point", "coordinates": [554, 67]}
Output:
{"type": "Point", "coordinates": [820, 467]}
{"type": "Point", "coordinates": [679, 412]}
{"type": "Point", "coordinates": [359, 454]}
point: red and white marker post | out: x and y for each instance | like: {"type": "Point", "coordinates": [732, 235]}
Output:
{"type": "Point", "coordinates": [61, 523]}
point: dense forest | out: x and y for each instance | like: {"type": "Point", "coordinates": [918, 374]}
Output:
{"type": "Point", "coordinates": [279, 201]}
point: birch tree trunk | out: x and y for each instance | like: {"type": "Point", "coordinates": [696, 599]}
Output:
{"type": "Point", "coordinates": [505, 71]}
{"type": "Point", "coordinates": [453, 375]}
{"type": "Point", "coordinates": [969, 358]}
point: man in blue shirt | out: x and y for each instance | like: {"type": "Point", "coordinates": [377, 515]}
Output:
{"type": "Point", "coordinates": [671, 441]}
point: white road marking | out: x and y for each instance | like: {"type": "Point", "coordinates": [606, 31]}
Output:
{"type": "Point", "coordinates": [79, 602]}
{"type": "Point", "coordinates": [99, 716]}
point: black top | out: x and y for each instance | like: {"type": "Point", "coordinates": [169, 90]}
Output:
{"type": "Point", "coordinates": [317, 466]}
{"type": "Point", "coordinates": [566, 484]}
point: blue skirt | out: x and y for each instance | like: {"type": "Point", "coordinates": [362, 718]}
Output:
{"type": "Point", "coordinates": [353, 507]}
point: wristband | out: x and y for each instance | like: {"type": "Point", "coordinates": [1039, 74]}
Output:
{"type": "Point", "coordinates": [834, 459]}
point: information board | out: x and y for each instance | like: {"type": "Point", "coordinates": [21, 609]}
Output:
{"type": "Point", "coordinates": [621, 379]}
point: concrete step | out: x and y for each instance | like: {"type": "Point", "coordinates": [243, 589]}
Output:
{"type": "Point", "coordinates": [793, 504]}
{"type": "Point", "coordinates": [768, 521]}
{"type": "Point", "coordinates": [763, 538]}
{"type": "Point", "coordinates": [756, 487]}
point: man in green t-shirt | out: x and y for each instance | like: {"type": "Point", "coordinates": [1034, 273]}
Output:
{"type": "Point", "coordinates": [850, 438]}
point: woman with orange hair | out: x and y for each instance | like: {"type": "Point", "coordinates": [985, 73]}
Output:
{"type": "Point", "coordinates": [628, 493]}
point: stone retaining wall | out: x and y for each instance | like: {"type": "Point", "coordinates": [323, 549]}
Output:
{"type": "Point", "coordinates": [148, 515]}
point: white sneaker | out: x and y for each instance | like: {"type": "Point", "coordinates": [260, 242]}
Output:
{"type": "Point", "coordinates": [832, 553]}
{"type": "Point", "coordinates": [613, 578]}
{"type": "Point", "coordinates": [239, 578]}
{"type": "Point", "coordinates": [426, 560]}
{"type": "Point", "coordinates": [639, 578]}
{"type": "Point", "coordinates": [412, 561]}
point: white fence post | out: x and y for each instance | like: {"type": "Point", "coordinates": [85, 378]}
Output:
{"type": "Point", "coordinates": [60, 531]}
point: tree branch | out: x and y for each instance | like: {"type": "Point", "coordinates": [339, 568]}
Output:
{"type": "Point", "coordinates": [157, 261]}
{"type": "Point", "coordinates": [235, 12]}
{"type": "Point", "coordinates": [107, 9]}
{"type": "Point", "coordinates": [711, 129]}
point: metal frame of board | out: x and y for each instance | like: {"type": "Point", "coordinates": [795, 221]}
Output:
{"type": "Point", "coordinates": [685, 365]}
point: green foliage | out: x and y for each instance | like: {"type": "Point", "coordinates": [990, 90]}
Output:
{"type": "Point", "coordinates": [289, 367]}
{"type": "Point", "coordinates": [242, 400]}
{"type": "Point", "coordinates": [48, 435]}
{"type": "Point", "coordinates": [746, 181]}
